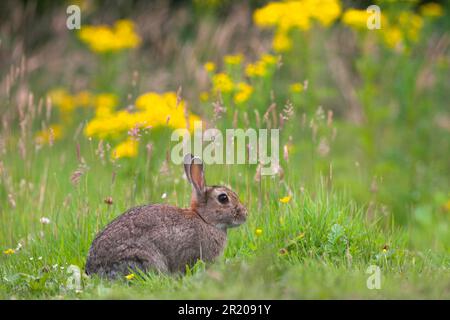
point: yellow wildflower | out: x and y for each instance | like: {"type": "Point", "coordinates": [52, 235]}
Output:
{"type": "Point", "coordinates": [54, 132]}
{"type": "Point", "coordinates": [447, 205]}
{"type": "Point", "coordinates": [285, 199]}
{"type": "Point", "coordinates": [62, 100]}
{"type": "Point", "coordinates": [281, 42]}
{"type": "Point", "coordinates": [153, 110]}
{"type": "Point", "coordinates": [297, 14]}
{"type": "Point", "coordinates": [325, 11]}
{"type": "Point", "coordinates": [269, 59]}
{"type": "Point", "coordinates": [393, 37]}
{"type": "Point", "coordinates": [258, 231]}
{"type": "Point", "coordinates": [126, 149]}
{"type": "Point", "coordinates": [244, 92]}
{"type": "Point", "coordinates": [431, 9]}
{"type": "Point", "coordinates": [411, 24]}
{"type": "Point", "coordinates": [106, 100]}
{"type": "Point", "coordinates": [296, 87]}
{"type": "Point", "coordinates": [103, 38]}
{"type": "Point", "coordinates": [356, 18]}
{"type": "Point", "coordinates": [130, 276]}
{"type": "Point", "coordinates": [9, 251]}
{"type": "Point", "coordinates": [210, 66]}
{"type": "Point", "coordinates": [83, 99]}
{"type": "Point", "coordinates": [233, 59]}
{"type": "Point", "coordinates": [222, 82]}
{"type": "Point", "coordinates": [255, 70]}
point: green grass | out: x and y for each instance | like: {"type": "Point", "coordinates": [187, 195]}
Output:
{"type": "Point", "coordinates": [319, 245]}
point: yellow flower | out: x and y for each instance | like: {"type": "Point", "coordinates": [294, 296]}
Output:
{"type": "Point", "coordinates": [431, 9]}
{"type": "Point", "coordinates": [411, 24]}
{"type": "Point", "coordinates": [258, 232]}
{"type": "Point", "coordinates": [325, 11]}
{"type": "Point", "coordinates": [255, 70]}
{"type": "Point", "coordinates": [53, 133]}
{"type": "Point", "coordinates": [281, 42]}
{"type": "Point", "coordinates": [130, 276]}
{"type": "Point", "coordinates": [233, 59]}
{"type": "Point", "coordinates": [153, 110]}
{"type": "Point", "coordinates": [103, 38]}
{"type": "Point", "coordinates": [204, 96]}
{"type": "Point", "coordinates": [106, 100]}
{"type": "Point", "coordinates": [83, 99]}
{"type": "Point", "coordinates": [269, 59]}
{"type": "Point", "coordinates": [222, 82]}
{"type": "Point", "coordinates": [300, 236]}
{"type": "Point", "coordinates": [356, 18]}
{"type": "Point", "coordinates": [296, 87]}
{"type": "Point", "coordinates": [447, 205]}
{"type": "Point", "coordinates": [210, 66]}
{"type": "Point", "coordinates": [297, 14]}
{"type": "Point", "coordinates": [9, 251]}
{"type": "Point", "coordinates": [126, 149]}
{"type": "Point", "coordinates": [244, 92]}
{"type": "Point", "coordinates": [62, 100]}
{"type": "Point", "coordinates": [285, 199]}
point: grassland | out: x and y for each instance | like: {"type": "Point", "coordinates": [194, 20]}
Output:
{"type": "Point", "coordinates": [364, 161]}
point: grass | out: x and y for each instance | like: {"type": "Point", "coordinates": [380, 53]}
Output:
{"type": "Point", "coordinates": [319, 245]}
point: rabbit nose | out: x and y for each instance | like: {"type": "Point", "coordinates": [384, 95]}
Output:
{"type": "Point", "coordinates": [244, 211]}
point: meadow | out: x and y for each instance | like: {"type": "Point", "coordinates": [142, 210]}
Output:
{"type": "Point", "coordinates": [362, 187]}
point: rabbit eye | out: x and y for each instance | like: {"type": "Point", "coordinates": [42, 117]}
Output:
{"type": "Point", "coordinates": [223, 198]}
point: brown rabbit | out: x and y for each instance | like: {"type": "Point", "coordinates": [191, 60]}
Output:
{"type": "Point", "coordinates": [166, 238]}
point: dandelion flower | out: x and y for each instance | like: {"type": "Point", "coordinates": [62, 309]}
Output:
{"type": "Point", "coordinates": [258, 232]}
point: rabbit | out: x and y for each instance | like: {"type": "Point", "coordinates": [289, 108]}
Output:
{"type": "Point", "coordinates": [166, 238]}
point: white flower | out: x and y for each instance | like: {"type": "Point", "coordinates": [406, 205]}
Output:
{"type": "Point", "coordinates": [44, 220]}
{"type": "Point", "coordinates": [164, 195]}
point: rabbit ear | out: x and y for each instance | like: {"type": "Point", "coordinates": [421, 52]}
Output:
{"type": "Point", "coordinates": [187, 166]}
{"type": "Point", "coordinates": [193, 166]}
